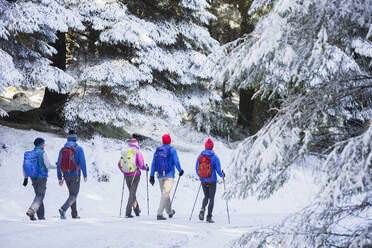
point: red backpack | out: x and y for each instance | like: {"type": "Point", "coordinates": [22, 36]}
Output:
{"type": "Point", "coordinates": [205, 167]}
{"type": "Point", "coordinates": [67, 162]}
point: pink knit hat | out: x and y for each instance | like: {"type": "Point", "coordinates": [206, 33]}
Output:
{"type": "Point", "coordinates": [133, 142]}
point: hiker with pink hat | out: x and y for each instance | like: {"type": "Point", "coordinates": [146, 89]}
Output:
{"type": "Point", "coordinates": [130, 163]}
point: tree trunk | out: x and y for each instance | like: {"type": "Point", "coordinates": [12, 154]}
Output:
{"type": "Point", "coordinates": [246, 26]}
{"type": "Point", "coordinates": [53, 101]}
{"type": "Point", "coordinates": [51, 97]}
{"type": "Point", "coordinates": [252, 113]}
{"type": "Point", "coordinates": [245, 107]}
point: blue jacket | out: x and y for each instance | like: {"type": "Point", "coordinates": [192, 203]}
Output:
{"type": "Point", "coordinates": [216, 166]}
{"type": "Point", "coordinates": [173, 161]}
{"type": "Point", "coordinates": [79, 160]}
{"type": "Point", "coordinates": [43, 172]}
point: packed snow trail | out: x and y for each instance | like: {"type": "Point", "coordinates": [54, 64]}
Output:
{"type": "Point", "coordinates": [99, 201]}
{"type": "Point", "coordinates": [111, 231]}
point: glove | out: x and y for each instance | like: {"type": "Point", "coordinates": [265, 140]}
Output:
{"type": "Point", "coordinates": [223, 173]}
{"type": "Point", "coordinates": [152, 180]}
{"type": "Point", "coordinates": [25, 181]}
{"type": "Point", "coordinates": [181, 173]}
{"type": "Point", "coordinates": [147, 168]}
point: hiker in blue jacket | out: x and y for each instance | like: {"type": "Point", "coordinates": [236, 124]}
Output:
{"type": "Point", "coordinates": [72, 178]}
{"type": "Point", "coordinates": [165, 175]}
{"type": "Point", "coordinates": [209, 185]}
{"type": "Point", "coordinates": [39, 180]}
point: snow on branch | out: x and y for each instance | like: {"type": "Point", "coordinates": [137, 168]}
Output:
{"type": "Point", "coordinates": [116, 73]}
{"type": "Point", "coordinates": [349, 166]}
{"type": "Point", "coordinates": [339, 217]}
{"type": "Point", "coordinates": [8, 73]}
{"type": "Point", "coordinates": [33, 16]}
{"type": "Point", "coordinates": [27, 28]}
{"type": "Point", "coordinates": [183, 63]}
{"type": "Point", "coordinates": [362, 47]}
{"type": "Point", "coordinates": [317, 127]}
{"type": "Point", "coordinates": [296, 44]}
{"type": "Point", "coordinates": [261, 164]}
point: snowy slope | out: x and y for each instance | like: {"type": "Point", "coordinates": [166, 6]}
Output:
{"type": "Point", "coordinates": [99, 202]}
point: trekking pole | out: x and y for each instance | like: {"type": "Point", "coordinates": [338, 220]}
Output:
{"type": "Point", "coordinates": [175, 190]}
{"type": "Point", "coordinates": [227, 205]}
{"type": "Point", "coordinates": [192, 211]}
{"type": "Point", "coordinates": [147, 186]}
{"type": "Point", "coordinates": [122, 193]}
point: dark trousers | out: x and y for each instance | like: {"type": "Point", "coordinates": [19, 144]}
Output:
{"type": "Point", "coordinates": [37, 205]}
{"type": "Point", "coordinates": [132, 201]}
{"type": "Point", "coordinates": [73, 185]}
{"type": "Point", "coordinates": [209, 192]}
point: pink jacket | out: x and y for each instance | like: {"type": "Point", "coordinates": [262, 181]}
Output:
{"type": "Point", "coordinates": [139, 163]}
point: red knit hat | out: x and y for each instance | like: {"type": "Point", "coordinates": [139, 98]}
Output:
{"type": "Point", "coordinates": [209, 144]}
{"type": "Point", "coordinates": [166, 139]}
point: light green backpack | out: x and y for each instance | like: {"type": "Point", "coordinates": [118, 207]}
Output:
{"type": "Point", "coordinates": [128, 160]}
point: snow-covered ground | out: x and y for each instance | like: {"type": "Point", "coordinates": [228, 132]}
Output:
{"type": "Point", "coordinates": [99, 202]}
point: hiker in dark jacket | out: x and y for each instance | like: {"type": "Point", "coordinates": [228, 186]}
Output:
{"type": "Point", "coordinates": [72, 178]}
{"type": "Point", "coordinates": [166, 179]}
{"type": "Point", "coordinates": [209, 184]}
{"type": "Point", "coordinates": [39, 181]}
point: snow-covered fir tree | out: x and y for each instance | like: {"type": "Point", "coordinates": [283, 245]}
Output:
{"type": "Point", "coordinates": [139, 61]}
{"type": "Point", "coordinates": [315, 57]}
{"type": "Point", "coordinates": [27, 28]}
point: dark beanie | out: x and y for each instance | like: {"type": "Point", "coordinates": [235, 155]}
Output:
{"type": "Point", "coordinates": [72, 135]}
{"type": "Point", "coordinates": [39, 141]}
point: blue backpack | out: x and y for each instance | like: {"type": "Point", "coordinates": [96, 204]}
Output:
{"type": "Point", "coordinates": [30, 165]}
{"type": "Point", "coordinates": [162, 164]}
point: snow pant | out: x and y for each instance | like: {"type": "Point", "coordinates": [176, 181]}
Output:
{"type": "Point", "coordinates": [166, 184]}
{"type": "Point", "coordinates": [132, 201]}
{"type": "Point", "coordinates": [37, 205]}
{"type": "Point", "coordinates": [73, 185]}
{"type": "Point", "coordinates": [209, 192]}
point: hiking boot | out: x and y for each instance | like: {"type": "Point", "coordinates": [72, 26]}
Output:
{"type": "Point", "coordinates": [129, 216]}
{"type": "Point", "coordinates": [43, 218]}
{"type": "Point", "coordinates": [160, 217]}
{"type": "Point", "coordinates": [209, 219]}
{"type": "Point", "coordinates": [76, 217]}
{"type": "Point", "coordinates": [137, 211]}
{"type": "Point", "coordinates": [201, 214]}
{"type": "Point", "coordinates": [30, 213]}
{"type": "Point", "coordinates": [172, 213]}
{"type": "Point", "coordinates": [62, 213]}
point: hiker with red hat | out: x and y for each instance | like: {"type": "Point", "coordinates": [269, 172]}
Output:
{"type": "Point", "coordinates": [164, 162]}
{"type": "Point", "coordinates": [207, 167]}
{"type": "Point", "coordinates": [130, 162]}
